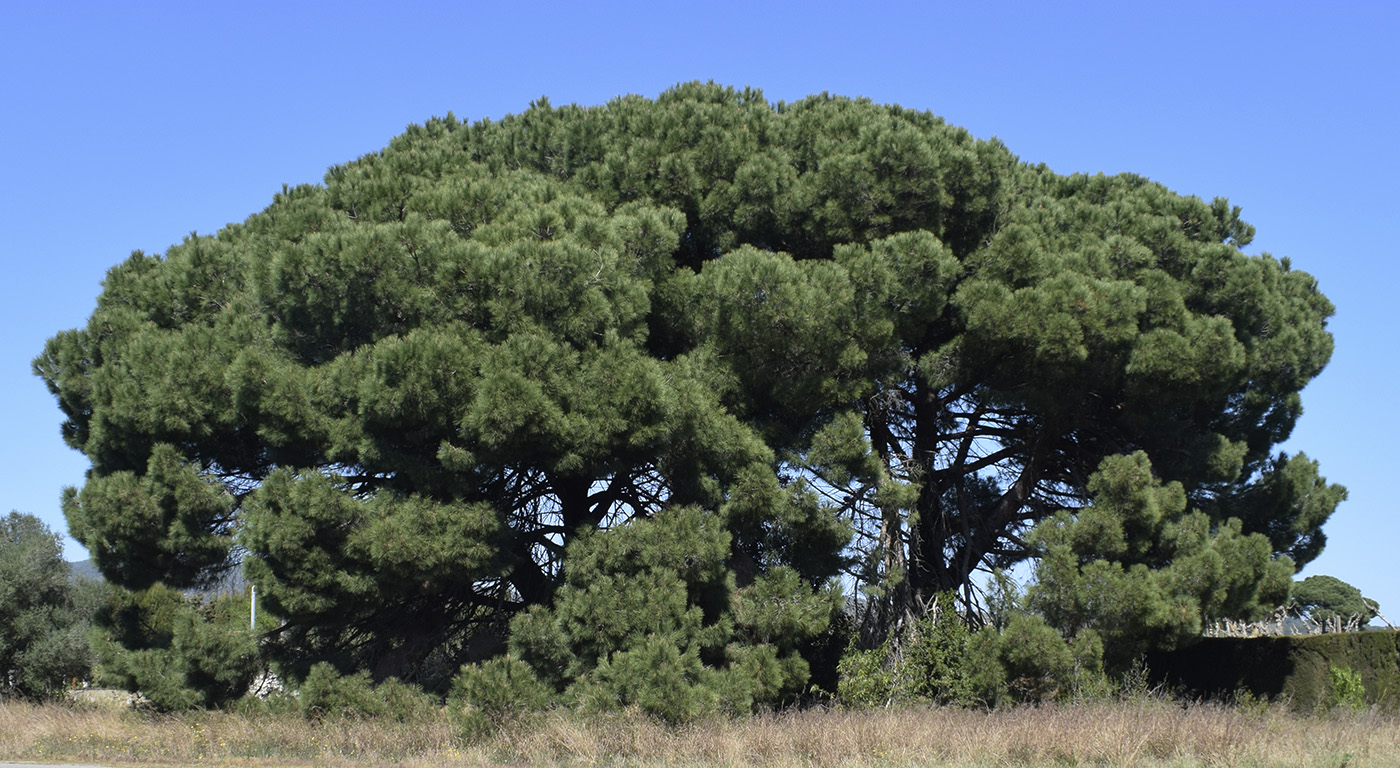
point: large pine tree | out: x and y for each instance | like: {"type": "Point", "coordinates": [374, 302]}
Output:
{"type": "Point", "coordinates": [858, 336]}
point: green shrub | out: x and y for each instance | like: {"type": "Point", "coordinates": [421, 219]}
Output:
{"type": "Point", "coordinates": [487, 696]}
{"type": "Point", "coordinates": [1249, 703]}
{"type": "Point", "coordinates": [327, 693]}
{"type": "Point", "coordinates": [654, 676]}
{"type": "Point", "coordinates": [937, 660]}
{"type": "Point", "coordinates": [178, 652]}
{"type": "Point", "coordinates": [1027, 661]}
{"type": "Point", "coordinates": [1135, 684]}
{"type": "Point", "coordinates": [756, 677]}
{"type": "Point", "coordinates": [864, 679]}
{"type": "Point", "coordinates": [404, 702]}
{"type": "Point", "coordinates": [1145, 572]}
{"type": "Point", "coordinates": [934, 666]}
{"type": "Point", "coordinates": [216, 649]}
{"type": "Point", "coordinates": [651, 616]}
{"type": "Point", "coordinates": [985, 681]}
{"type": "Point", "coordinates": [1346, 689]}
{"type": "Point", "coordinates": [1039, 663]}
{"type": "Point", "coordinates": [159, 677]}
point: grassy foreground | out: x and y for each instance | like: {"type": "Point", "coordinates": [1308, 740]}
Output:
{"type": "Point", "coordinates": [1142, 733]}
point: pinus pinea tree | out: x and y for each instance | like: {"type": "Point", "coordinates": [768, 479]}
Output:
{"type": "Point", "coordinates": [865, 343]}
{"type": "Point", "coordinates": [1325, 598]}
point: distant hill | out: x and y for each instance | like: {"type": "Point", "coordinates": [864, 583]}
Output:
{"type": "Point", "coordinates": [85, 570]}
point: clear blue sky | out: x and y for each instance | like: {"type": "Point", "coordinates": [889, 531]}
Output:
{"type": "Point", "coordinates": [129, 125]}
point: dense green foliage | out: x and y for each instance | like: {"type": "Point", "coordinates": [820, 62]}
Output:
{"type": "Point", "coordinates": [1130, 574]}
{"type": "Point", "coordinates": [178, 651]}
{"type": "Point", "coordinates": [43, 615]}
{"type": "Point", "coordinates": [497, 693]}
{"type": "Point", "coordinates": [856, 337]}
{"type": "Point", "coordinates": [650, 616]}
{"type": "Point", "coordinates": [937, 659]}
{"type": "Point", "coordinates": [1140, 573]}
{"type": "Point", "coordinates": [1326, 597]}
{"type": "Point", "coordinates": [327, 693]}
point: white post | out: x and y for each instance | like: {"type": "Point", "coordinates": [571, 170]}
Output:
{"type": "Point", "coordinates": [253, 611]}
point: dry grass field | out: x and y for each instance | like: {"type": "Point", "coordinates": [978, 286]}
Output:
{"type": "Point", "coordinates": [1149, 732]}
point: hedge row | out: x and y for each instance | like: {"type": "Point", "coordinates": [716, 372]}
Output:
{"type": "Point", "coordinates": [1298, 668]}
